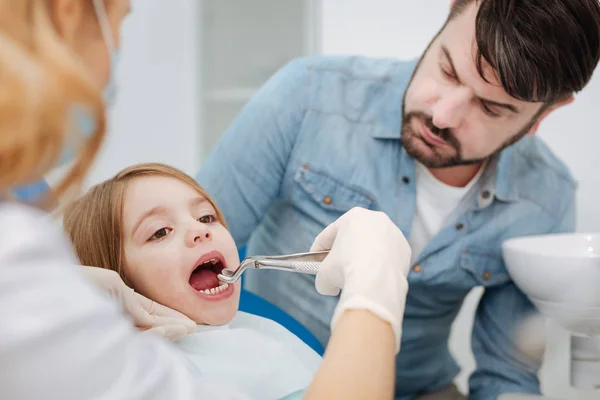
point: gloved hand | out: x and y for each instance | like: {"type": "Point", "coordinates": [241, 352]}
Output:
{"type": "Point", "coordinates": [369, 259]}
{"type": "Point", "coordinates": [147, 315]}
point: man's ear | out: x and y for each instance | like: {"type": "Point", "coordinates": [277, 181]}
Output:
{"type": "Point", "coordinates": [452, 3]}
{"type": "Point", "coordinates": [67, 16]}
{"type": "Point", "coordinates": [547, 112]}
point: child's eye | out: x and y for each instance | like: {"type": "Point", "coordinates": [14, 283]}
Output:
{"type": "Point", "coordinates": [207, 219]}
{"type": "Point", "coordinates": [159, 234]}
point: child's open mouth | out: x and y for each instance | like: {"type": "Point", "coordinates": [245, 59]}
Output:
{"type": "Point", "coordinates": [204, 277]}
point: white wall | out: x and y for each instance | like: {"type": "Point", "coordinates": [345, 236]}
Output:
{"type": "Point", "coordinates": [156, 117]}
{"type": "Point", "coordinates": [403, 28]}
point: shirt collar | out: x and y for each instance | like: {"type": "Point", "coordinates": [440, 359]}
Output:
{"type": "Point", "coordinates": [496, 180]}
{"type": "Point", "coordinates": [505, 189]}
{"type": "Point", "coordinates": [388, 123]}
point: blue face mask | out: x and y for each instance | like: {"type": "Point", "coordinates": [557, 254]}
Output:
{"type": "Point", "coordinates": [82, 126]}
{"type": "Point", "coordinates": [110, 91]}
{"type": "Point", "coordinates": [83, 122]}
{"type": "Point", "coordinates": [85, 126]}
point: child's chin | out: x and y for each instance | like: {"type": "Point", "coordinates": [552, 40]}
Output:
{"type": "Point", "coordinates": [216, 317]}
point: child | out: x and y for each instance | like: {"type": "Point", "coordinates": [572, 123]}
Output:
{"type": "Point", "coordinates": [167, 239]}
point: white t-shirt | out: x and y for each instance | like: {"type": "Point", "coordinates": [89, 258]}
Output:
{"type": "Point", "coordinates": [436, 201]}
{"type": "Point", "coordinates": [254, 355]}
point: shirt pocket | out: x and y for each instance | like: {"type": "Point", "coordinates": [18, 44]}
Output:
{"type": "Point", "coordinates": [487, 269]}
{"type": "Point", "coordinates": [316, 191]}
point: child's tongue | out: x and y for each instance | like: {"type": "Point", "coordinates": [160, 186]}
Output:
{"type": "Point", "coordinates": [204, 279]}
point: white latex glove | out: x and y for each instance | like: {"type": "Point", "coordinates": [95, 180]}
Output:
{"type": "Point", "coordinates": [147, 315]}
{"type": "Point", "coordinates": [368, 259]}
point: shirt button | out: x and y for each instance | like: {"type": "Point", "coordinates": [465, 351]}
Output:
{"type": "Point", "coordinates": [417, 268]}
{"type": "Point", "coordinates": [406, 179]}
{"type": "Point", "coordinates": [486, 275]}
{"type": "Point", "coordinates": [485, 194]}
{"type": "Point", "coordinates": [459, 227]}
{"type": "Point", "coordinates": [327, 200]}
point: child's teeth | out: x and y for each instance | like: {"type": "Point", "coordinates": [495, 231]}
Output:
{"type": "Point", "coordinates": [218, 289]}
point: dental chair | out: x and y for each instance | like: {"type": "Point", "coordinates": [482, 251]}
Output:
{"type": "Point", "coordinates": [253, 304]}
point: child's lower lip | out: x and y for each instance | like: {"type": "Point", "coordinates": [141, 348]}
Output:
{"type": "Point", "coordinates": [218, 296]}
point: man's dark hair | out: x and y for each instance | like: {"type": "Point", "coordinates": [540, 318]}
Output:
{"type": "Point", "coordinates": [542, 50]}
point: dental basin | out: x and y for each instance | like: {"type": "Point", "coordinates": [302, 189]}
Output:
{"type": "Point", "coordinates": [560, 273]}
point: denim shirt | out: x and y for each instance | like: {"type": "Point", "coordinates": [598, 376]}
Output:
{"type": "Point", "coordinates": [321, 137]}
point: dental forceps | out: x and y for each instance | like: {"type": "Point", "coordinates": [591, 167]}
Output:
{"type": "Point", "coordinates": [302, 263]}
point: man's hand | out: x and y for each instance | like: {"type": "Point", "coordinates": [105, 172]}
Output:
{"type": "Point", "coordinates": [147, 315]}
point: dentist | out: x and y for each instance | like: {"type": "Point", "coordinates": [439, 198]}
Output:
{"type": "Point", "coordinates": [60, 338]}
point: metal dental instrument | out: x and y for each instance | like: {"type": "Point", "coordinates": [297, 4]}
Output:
{"type": "Point", "coordinates": [302, 263]}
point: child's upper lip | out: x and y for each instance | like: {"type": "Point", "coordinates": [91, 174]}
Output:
{"type": "Point", "coordinates": [211, 255]}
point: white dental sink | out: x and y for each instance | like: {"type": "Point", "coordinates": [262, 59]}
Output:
{"type": "Point", "coordinates": [560, 274]}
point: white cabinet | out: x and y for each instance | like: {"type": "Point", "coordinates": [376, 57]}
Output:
{"type": "Point", "coordinates": [243, 43]}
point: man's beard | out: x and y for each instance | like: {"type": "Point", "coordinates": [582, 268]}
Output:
{"type": "Point", "coordinates": [410, 139]}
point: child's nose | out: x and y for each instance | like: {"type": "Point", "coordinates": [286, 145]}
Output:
{"type": "Point", "coordinates": [198, 235]}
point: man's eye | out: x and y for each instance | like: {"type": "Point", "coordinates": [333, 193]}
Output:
{"type": "Point", "coordinates": [489, 111]}
{"type": "Point", "coordinates": [448, 74]}
{"type": "Point", "coordinates": [159, 234]}
{"type": "Point", "coordinates": [207, 219]}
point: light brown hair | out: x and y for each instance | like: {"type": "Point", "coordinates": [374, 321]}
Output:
{"type": "Point", "coordinates": [40, 83]}
{"type": "Point", "coordinates": [94, 221]}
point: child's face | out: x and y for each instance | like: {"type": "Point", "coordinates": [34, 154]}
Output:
{"type": "Point", "coordinates": [174, 247]}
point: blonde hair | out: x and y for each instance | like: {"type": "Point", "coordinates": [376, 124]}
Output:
{"type": "Point", "coordinates": [94, 221]}
{"type": "Point", "coordinates": [41, 80]}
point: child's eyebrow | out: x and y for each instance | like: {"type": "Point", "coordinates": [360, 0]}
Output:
{"type": "Point", "coordinates": [153, 211]}
{"type": "Point", "coordinates": [196, 201]}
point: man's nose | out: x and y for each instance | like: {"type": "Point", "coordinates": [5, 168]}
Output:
{"type": "Point", "coordinates": [451, 109]}
{"type": "Point", "coordinates": [198, 233]}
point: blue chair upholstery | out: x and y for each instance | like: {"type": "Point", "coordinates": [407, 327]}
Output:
{"type": "Point", "coordinates": [256, 305]}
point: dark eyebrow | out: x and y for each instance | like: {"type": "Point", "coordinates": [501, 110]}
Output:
{"type": "Point", "coordinates": [508, 107]}
{"type": "Point", "coordinates": [149, 213]}
{"type": "Point", "coordinates": [449, 59]}
{"type": "Point", "coordinates": [492, 103]}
